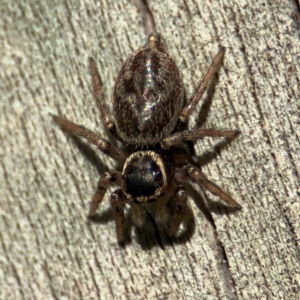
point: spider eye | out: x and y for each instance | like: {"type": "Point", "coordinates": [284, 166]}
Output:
{"type": "Point", "coordinates": [158, 176]}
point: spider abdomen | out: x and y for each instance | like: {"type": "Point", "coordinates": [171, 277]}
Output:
{"type": "Point", "coordinates": [148, 95]}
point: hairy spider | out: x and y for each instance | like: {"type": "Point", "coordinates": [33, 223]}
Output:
{"type": "Point", "coordinates": [149, 117]}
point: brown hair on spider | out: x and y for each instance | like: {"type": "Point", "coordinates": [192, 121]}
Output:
{"type": "Point", "coordinates": [149, 115]}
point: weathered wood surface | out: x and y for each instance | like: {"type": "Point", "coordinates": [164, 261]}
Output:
{"type": "Point", "coordinates": [48, 248]}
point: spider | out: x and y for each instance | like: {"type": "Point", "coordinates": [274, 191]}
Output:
{"type": "Point", "coordinates": [150, 118]}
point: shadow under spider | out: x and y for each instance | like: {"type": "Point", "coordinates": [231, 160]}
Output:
{"type": "Point", "coordinates": [152, 234]}
{"type": "Point", "coordinates": [89, 153]}
{"type": "Point", "coordinates": [209, 156]}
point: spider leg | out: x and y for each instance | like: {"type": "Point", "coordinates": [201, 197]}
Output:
{"type": "Point", "coordinates": [195, 134]}
{"type": "Point", "coordinates": [118, 204]}
{"type": "Point", "coordinates": [196, 174]}
{"type": "Point", "coordinates": [102, 144]}
{"type": "Point", "coordinates": [188, 109]}
{"type": "Point", "coordinates": [138, 215]}
{"type": "Point", "coordinates": [105, 179]}
{"type": "Point", "coordinates": [100, 99]}
{"type": "Point", "coordinates": [180, 205]}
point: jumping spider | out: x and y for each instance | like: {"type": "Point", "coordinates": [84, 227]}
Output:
{"type": "Point", "coordinates": [149, 117]}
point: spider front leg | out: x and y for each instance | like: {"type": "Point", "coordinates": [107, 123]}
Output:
{"type": "Point", "coordinates": [196, 174]}
{"type": "Point", "coordinates": [180, 205]}
{"type": "Point", "coordinates": [195, 134]}
{"type": "Point", "coordinates": [118, 204]}
{"type": "Point", "coordinates": [100, 99]}
{"type": "Point", "coordinates": [105, 179]}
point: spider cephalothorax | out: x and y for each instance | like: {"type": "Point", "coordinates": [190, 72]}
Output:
{"type": "Point", "coordinates": [149, 115]}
